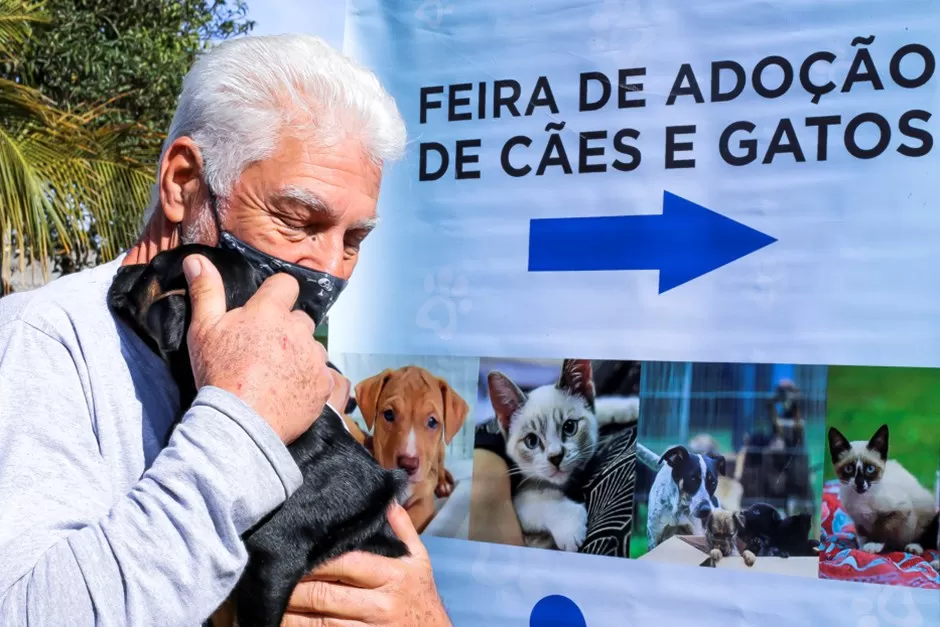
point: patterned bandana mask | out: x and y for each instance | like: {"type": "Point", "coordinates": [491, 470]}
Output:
{"type": "Point", "coordinates": [318, 290]}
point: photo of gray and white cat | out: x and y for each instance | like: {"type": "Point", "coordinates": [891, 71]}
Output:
{"type": "Point", "coordinates": [547, 433]}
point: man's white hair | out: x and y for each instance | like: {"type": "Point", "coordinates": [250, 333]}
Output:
{"type": "Point", "coordinates": [241, 96]}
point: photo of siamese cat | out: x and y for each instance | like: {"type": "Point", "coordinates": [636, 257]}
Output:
{"type": "Point", "coordinates": [551, 435]}
{"type": "Point", "coordinates": [891, 510]}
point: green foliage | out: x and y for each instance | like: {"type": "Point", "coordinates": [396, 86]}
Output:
{"type": "Point", "coordinates": [57, 174]}
{"type": "Point", "coordinates": [861, 399]}
{"type": "Point", "coordinates": [103, 77]}
{"type": "Point", "coordinates": [137, 51]}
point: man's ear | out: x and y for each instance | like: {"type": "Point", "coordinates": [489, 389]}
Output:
{"type": "Point", "coordinates": [167, 320]}
{"type": "Point", "coordinates": [181, 182]}
{"type": "Point", "coordinates": [367, 395]}
{"type": "Point", "coordinates": [455, 411]}
{"type": "Point", "coordinates": [506, 398]}
{"type": "Point", "coordinates": [675, 456]}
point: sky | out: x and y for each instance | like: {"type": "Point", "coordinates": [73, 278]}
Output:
{"type": "Point", "coordinates": [323, 18]}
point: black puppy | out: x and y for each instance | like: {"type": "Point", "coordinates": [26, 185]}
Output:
{"type": "Point", "coordinates": [768, 534]}
{"type": "Point", "coordinates": [341, 505]}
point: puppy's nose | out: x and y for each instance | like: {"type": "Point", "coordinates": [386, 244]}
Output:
{"type": "Point", "coordinates": [408, 463]}
{"type": "Point", "coordinates": [556, 459]}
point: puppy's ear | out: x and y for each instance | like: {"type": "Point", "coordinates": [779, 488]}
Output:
{"type": "Point", "coordinates": [838, 445]}
{"type": "Point", "coordinates": [879, 442]}
{"type": "Point", "coordinates": [367, 395]}
{"type": "Point", "coordinates": [675, 456]}
{"type": "Point", "coordinates": [455, 411]}
{"type": "Point", "coordinates": [577, 379]}
{"type": "Point", "coordinates": [720, 463]}
{"type": "Point", "coordinates": [167, 321]}
{"type": "Point", "coordinates": [506, 398]}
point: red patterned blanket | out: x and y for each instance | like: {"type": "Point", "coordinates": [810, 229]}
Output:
{"type": "Point", "coordinates": [840, 557]}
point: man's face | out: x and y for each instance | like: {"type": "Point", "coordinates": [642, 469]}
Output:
{"type": "Point", "coordinates": [306, 205]}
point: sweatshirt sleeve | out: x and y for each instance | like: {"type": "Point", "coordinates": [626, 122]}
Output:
{"type": "Point", "coordinates": [168, 552]}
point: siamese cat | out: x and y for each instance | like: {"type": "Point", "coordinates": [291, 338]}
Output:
{"type": "Point", "coordinates": [890, 509]}
{"type": "Point", "coordinates": [551, 434]}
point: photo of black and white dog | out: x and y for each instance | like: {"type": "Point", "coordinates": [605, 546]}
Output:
{"type": "Point", "coordinates": [729, 459]}
{"type": "Point", "coordinates": [683, 492]}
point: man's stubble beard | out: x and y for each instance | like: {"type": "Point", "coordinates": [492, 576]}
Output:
{"type": "Point", "coordinates": [202, 230]}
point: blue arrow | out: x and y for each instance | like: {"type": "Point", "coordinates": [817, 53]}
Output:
{"type": "Point", "coordinates": [684, 242]}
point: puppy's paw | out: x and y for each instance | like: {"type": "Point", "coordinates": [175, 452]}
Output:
{"type": "Point", "coordinates": [914, 549]}
{"type": "Point", "coordinates": [873, 547]}
{"type": "Point", "coordinates": [570, 529]}
{"type": "Point", "coordinates": [445, 484]}
{"type": "Point", "coordinates": [749, 558]}
{"type": "Point", "coordinates": [715, 554]}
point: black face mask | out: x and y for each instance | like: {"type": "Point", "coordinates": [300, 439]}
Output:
{"type": "Point", "coordinates": [318, 290]}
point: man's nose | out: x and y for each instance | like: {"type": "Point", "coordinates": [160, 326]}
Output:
{"type": "Point", "coordinates": [408, 463]}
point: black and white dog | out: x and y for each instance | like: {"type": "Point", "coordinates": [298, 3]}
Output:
{"type": "Point", "coordinates": [683, 493]}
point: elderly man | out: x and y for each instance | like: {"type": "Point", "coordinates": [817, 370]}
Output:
{"type": "Point", "coordinates": [108, 518]}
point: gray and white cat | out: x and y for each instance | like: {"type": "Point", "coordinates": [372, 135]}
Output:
{"type": "Point", "coordinates": [551, 434]}
{"type": "Point", "coordinates": [889, 507]}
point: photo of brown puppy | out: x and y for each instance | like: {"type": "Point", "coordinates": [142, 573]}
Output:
{"type": "Point", "coordinates": [413, 415]}
{"type": "Point", "coordinates": [721, 534]}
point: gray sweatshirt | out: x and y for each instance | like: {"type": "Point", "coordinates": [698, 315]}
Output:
{"type": "Point", "coordinates": [102, 522]}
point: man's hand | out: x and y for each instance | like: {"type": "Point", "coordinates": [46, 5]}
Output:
{"type": "Point", "coordinates": [365, 590]}
{"type": "Point", "coordinates": [263, 353]}
{"type": "Point", "coordinates": [342, 388]}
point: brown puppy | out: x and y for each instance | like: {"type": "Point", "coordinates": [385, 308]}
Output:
{"type": "Point", "coordinates": [721, 532]}
{"type": "Point", "coordinates": [413, 415]}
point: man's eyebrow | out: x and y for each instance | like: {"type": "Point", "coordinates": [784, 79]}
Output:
{"type": "Point", "coordinates": [315, 204]}
{"type": "Point", "coordinates": [304, 197]}
{"type": "Point", "coordinates": [367, 224]}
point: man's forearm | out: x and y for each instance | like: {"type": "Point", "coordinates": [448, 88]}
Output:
{"type": "Point", "coordinates": [169, 552]}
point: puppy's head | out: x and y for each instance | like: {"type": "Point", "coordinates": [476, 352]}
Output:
{"type": "Point", "coordinates": [797, 527]}
{"type": "Point", "coordinates": [411, 414]}
{"type": "Point", "coordinates": [759, 519]}
{"type": "Point", "coordinates": [154, 298]}
{"type": "Point", "coordinates": [721, 524]}
{"type": "Point", "coordinates": [696, 476]}
{"type": "Point", "coordinates": [788, 395]}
